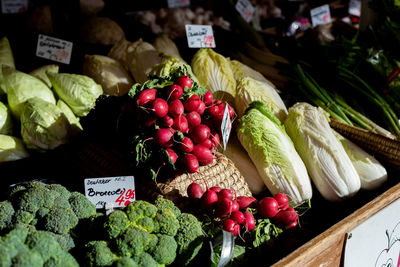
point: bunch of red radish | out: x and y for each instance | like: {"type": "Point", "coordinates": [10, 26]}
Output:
{"type": "Point", "coordinates": [277, 208]}
{"type": "Point", "coordinates": [220, 202]}
{"type": "Point", "coordinates": [198, 118]}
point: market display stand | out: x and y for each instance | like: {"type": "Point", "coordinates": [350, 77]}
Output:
{"type": "Point", "coordinates": [327, 249]}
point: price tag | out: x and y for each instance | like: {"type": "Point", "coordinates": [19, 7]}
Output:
{"type": "Point", "coordinates": [376, 241]}
{"type": "Point", "coordinates": [245, 9]}
{"type": "Point", "coordinates": [320, 15]}
{"type": "Point", "coordinates": [110, 191]}
{"type": "Point", "coordinates": [199, 36]}
{"type": "Point", "coordinates": [226, 126]}
{"type": "Point", "coordinates": [178, 3]}
{"type": "Point", "coordinates": [54, 49]}
{"type": "Point", "coordinates": [14, 6]}
{"type": "Point", "coordinates": [355, 7]}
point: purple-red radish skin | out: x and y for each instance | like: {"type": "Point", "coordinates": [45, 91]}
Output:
{"type": "Point", "coordinates": [200, 133]}
{"type": "Point", "coordinates": [160, 107]}
{"type": "Point", "coordinates": [163, 137]}
{"type": "Point", "coordinates": [194, 191]}
{"type": "Point", "coordinates": [203, 154]}
{"type": "Point", "coordinates": [181, 124]}
{"type": "Point", "coordinates": [268, 207]}
{"type": "Point", "coordinates": [175, 108]}
{"type": "Point", "coordinates": [184, 81]}
{"type": "Point", "coordinates": [174, 91]}
{"type": "Point", "coordinates": [250, 222]}
{"type": "Point", "coordinates": [215, 140]}
{"type": "Point", "coordinates": [191, 105]}
{"type": "Point", "coordinates": [234, 206]}
{"type": "Point", "coordinates": [286, 217]}
{"type": "Point", "coordinates": [224, 207]}
{"type": "Point", "coordinates": [186, 145]}
{"type": "Point", "coordinates": [225, 193]}
{"type": "Point", "coordinates": [236, 230]}
{"type": "Point", "coordinates": [216, 189]}
{"type": "Point", "coordinates": [190, 163]}
{"type": "Point", "coordinates": [208, 98]}
{"type": "Point", "coordinates": [172, 155]}
{"type": "Point", "coordinates": [291, 225]}
{"type": "Point", "coordinates": [229, 225]}
{"type": "Point", "coordinates": [167, 121]}
{"type": "Point", "coordinates": [238, 217]}
{"type": "Point", "coordinates": [146, 96]}
{"type": "Point", "coordinates": [212, 110]}
{"type": "Point", "coordinates": [201, 108]}
{"type": "Point", "coordinates": [209, 200]}
{"type": "Point", "coordinates": [193, 118]}
{"type": "Point", "coordinates": [282, 200]}
{"type": "Point", "coordinates": [246, 202]}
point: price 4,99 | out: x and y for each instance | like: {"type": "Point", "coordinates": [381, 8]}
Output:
{"type": "Point", "coordinates": [126, 197]}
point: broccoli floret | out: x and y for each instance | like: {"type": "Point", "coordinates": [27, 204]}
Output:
{"type": "Point", "coordinates": [44, 243]}
{"type": "Point", "coordinates": [165, 250]}
{"type": "Point", "coordinates": [6, 214]}
{"type": "Point", "coordinates": [42, 212]}
{"type": "Point", "coordinates": [116, 223]}
{"type": "Point", "coordinates": [60, 220]}
{"type": "Point", "coordinates": [62, 195]}
{"type": "Point", "coordinates": [27, 258]}
{"type": "Point", "coordinates": [82, 206]}
{"type": "Point", "coordinates": [99, 254]}
{"type": "Point", "coordinates": [13, 242]}
{"type": "Point", "coordinates": [61, 259]}
{"type": "Point", "coordinates": [146, 223]}
{"type": "Point", "coordinates": [145, 259]}
{"type": "Point", "coordinates": [16, 190]}
{"type": "Point", "coordinates": [163, 203]}
{"type": "Point", "coordinates": [66, 241]}
{"type": "Point", "coordinates": [189, 238]}
{"type": "Point", "coordinates": [34, 198]}
{"type": "Point", "coordinates": [125, 262]}
{"type": "Point", "coordinates": [166, 222]}
{"type": "Point", "coordinates": [5, 257]}
{"type": "Point", "coordinates": [132, 242]}
{"type": "Point", "coordinates": [35, 184]}
{"type": "Point", "coordinates": [139, 209]}
{"type": "Point", "coordinates": [152, 243]}
{"type": "Point", "coordinates": [23, 217]}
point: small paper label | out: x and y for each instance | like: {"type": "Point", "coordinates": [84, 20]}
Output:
{"type": "Point", "coordinates": [110, 191]}
{"type": "Point", "coordinates": [226, 126]}
{"type": "Point", "coordinates": [14, 6]}
{"type": "Point", "coordinates": [54, 49]}
{"type": "Point", "coordinates": [245, 9]}
{"type": "Point", "coordinates": [178, 3]}
{"type": "Point", "coordinates": [320, 15]}
{"type": "Point", "coordinates": [355, 7]}
{"type": "Point", "coordinates": [200, 36]}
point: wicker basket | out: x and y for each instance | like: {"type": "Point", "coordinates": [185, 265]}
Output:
{"type": "Point", "coordinates": [385, 149]}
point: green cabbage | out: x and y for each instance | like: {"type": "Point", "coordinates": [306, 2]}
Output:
{"type": "Point", "coordinates": [6, 123]}
{"type": "Point", "coordinates": [43, 125]}
{"type": "Point", "coordinates": [328, 164]}
{"type": "Point", "coordinates": [72, 119]}
{"type": "Point", "coordinates": [21, 87]}
{"type": "Point", "coordinates": [273, 153]}
{"type": "Point", "coordinates": [215, 73]}
{"type": "Point", "coordinates": [6, 58]}
{"type": "Point", "coordinates": [11, 148]}
{"type": "Point", "coordinates": [40, 73]}
{"type": "Point", "coordinates": [79, 92]}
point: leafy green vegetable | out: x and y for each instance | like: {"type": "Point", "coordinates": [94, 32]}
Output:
{"type": "Point", "coordinates": [11, 148]}
{"type": "Point", "coordinates": [6, 123]}
{"type": "Point", "coordinates": [6, 58]}
{"type": "Point", "coordinates": [40, 73]}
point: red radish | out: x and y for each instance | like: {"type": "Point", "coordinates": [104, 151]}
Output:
{"type": "Point", "coordinates": [221, 108]}
{"type": "Point", "coordinates": [225, 206]}
{"type": "Point", "coordinates": [181, 124]}
{"type": "Point", "coordinates": [167, 121]}
{"type": "Point", "coordinates": [207, 143]}
{"type": "Point", "coordinates": [175, 108]}
{"type": "Point", "coordinates": [250, 222]}
{"type": "Point", "coordinates": [229, 225]}
{"type": "Point", "coordinates": [215, 140]}
{"type": "Point", "coordinates": [268, 207]}
{"type": "Point", "coordinates": [172, 155]}
{"type": "Point", "coordinates": [174, 91]}
{"type": "Point", "coordinates": [246, 202]}
{"type": "Point", "coordinates": [186, 145]}
{"type": "Point", "coordinates": [192, 104]}
{"type": "Point", "coordinates": [216, 189]}
{"type": "Point", "coordinates": [149, 119]}
{"type": "Point", "coordinates": [195, 191]}
{"type": "Point", "coordinates": [286, 217]}
{"type": "Point", "coordinates": [201, 108]}
{"type": "Point", "coordinates": [231, 111]}
{"type": "Point", "coordinates": [200, 133]}
{"type": "Point", "coordinates": [160, 107]}
{"type": "Point", "coordinates": [203, 154]}
{"type": "Point", "coordinates": [238, 217]}
{"type": "Point", "coordinates": [208, 98]}
{"type": "Point", "coordinates": [212, 110]}
{"type": "Point", "coordinates": [217, 120]}
{"type": "Point", "coordinates": [283, 201]}
{"type": "Point", "coordinates": [235, 206]}
{"type": "Point", "coordinates": [225, 193]}
{"type": "Point", "coordinates": [163, 137]}
{"type": "Point", "coordinates": [292, 225]}
{"type": "Point", "coordinates": [184, 81]}
{"type": "Point", "coordinates": [236, 230]}
{"type": "Point", "coordinates": [209, 200]}
{"type": "Point", "coordinates": [193, 118]}
{"type": "Point", "coordinates": [190, 162]}
{"type": "Point", "coordinates": [217, 102]}
{"type": "Point", "coordinates": [146, 96]}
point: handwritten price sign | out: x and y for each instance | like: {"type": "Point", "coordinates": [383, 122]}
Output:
{"type": "Point", "coordinates": [54, 49]}
{"type": "Point", "coordinates": [245, 9]}
{"type": "Point", "coordinates": [178, 3]}
{"type": "Point", "coordinates": [320, 15]}
{"type": "Point", "coordinates": [200, 36]}
{"type": "Point", "coordinates": [115, 191]}
{"type": "Point", "coordinates": [14, 6]}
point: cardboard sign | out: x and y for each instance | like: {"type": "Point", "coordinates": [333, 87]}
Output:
{"type": "Point", "coordinates": [376, 241]}
{"type": "Point", "coordinates": [178, 3]}
{"type": "Point", "coordinates": [200, 36]}
{"type": "Point", "coordinates": [320, 15]}
{"type": "Point", "coordinates": [54, 49]}
{"type": "Point", "coordinates": [245, 9]}
{"type": "Point", "coordinates": [226, 126]}
{"type": "Point", "coordinates": [14, 6]}
{"type": "Point", "coordinates": [110, 191]}
{"type": "Point", "coordinates": [355, 7]}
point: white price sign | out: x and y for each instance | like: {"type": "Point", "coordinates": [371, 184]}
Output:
{"type": "Point", "coordinates": [110, 191]}
{"type": "Point", "coordinates": [14, 6]}
{"type": "Point", "coordinates": [355, 7]}
{"type": "Point", "coordinates": [245, 9]}
{"type": "Point", "coordinates": [320, 15]}
{"type": "Point", "coordinates": [54, 49]}
{"type": "Point", "coordinates": [376, 241]}
{"type": "Point", "coordinates": [178, 3]}
{"type": "Point", "coordinates": [200, 36]}
{"type": "Point", "coordinates": [226, 126]}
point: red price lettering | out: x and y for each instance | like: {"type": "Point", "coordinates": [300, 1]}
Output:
{"type": "Point", "coordinates": [208, 40]}
{"type": "Point", "coordinates": [120, 199]}
{"type": "Point", "coordinates": [130, 194]}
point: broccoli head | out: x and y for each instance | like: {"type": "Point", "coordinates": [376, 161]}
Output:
{"type": "Point", "coordinates": [23, 217]}
{"type": "Point", "coordinates": [34, 198]}
{"type": "Point", "coordinates": [145, 259]}
{"type": "Point", "coordinates": [13, 242]}
{"type": "Point", "coordinates": [99, 254]}
{"type": "Point", "coordinates": [165, 250]}
{"type": "Point", "coordinates": [66, 241]}
{"type": "Point", "coordinates": [5, 257]}
{"type": "Point", "coordinates": [125, 262]}
{"type": "Point", "coordinates": [27, 258]}
{"type": "Point", "coordinates": [189, 238]}
{"type": "Point", "coordinates": [132, 242]}
{"type": "Point", "coordinates": [62, 195]}
{"type": "Point", "coordinates": [116, 223]}
{"type": "Point", "coordinates": [42, 212]}
{"type": "Point", "coordinates": [60, 220]}
{"type": "Point", "coordinates": [44, 243]}
{"type": "Point", "coordinates": [145, 223]}
{"type": "Point", "coordinates": [6, 214]}
{"type": "Point", "coordinates": [61, 259]}
{"type": "Point", "coordinates": [166, 222]}
{"type": "Point", "coordinates": [163, 203]}
{"type": "Point", "coordinates": [82, 206]}
{"type": "Point", "coordinates": [15, 191]}
{"type": "Point", "coordinates": [139, 209]}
